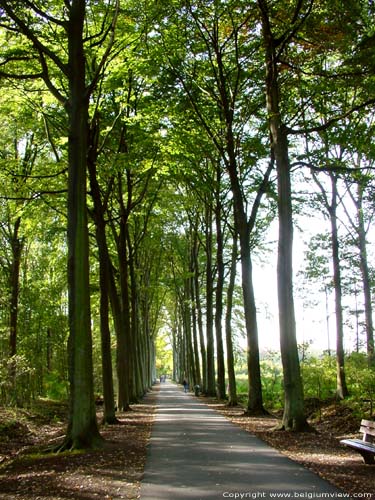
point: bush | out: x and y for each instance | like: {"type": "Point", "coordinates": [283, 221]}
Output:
{"type": "Point", "coordinates": [16, 381]}
{"type": "Point", "coordinates": [319, 382]}
{"type": "Point", "coordinates": [272, 384]}
{"type": "Point", "coordinates": [361, 383]}
{"type": "Point", "coordinates": [55, 387]}
{"type": "Point", "coordinates": [319, 377]}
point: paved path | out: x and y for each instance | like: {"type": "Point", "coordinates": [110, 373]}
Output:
{"type": "Point", "coordinates": [195, 453]}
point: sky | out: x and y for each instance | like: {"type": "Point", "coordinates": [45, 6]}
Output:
{"type": "Point", "coordinates": [311, 319]}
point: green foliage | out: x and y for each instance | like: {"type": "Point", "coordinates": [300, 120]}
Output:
{"type": "Point", "coordinates": [164, 354]}
{"type": "Point", "coordinates": [319, 382]}
{"type": "Point", "coordinates": [319, 377]}
{"type": "Point", "coordinates": [272, 380]}
{"type": "Point", "coordinates": [242, 389]}
{"type": "Point", "coordinates": [361, 381]}
{"type": "Point", "coordinates": [55, 387]}
{"type": "Point", "coordinates": [17, 381]}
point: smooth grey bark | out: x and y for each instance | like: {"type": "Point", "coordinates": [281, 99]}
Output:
{"type": "Point", "coordinates": [294, 415]}
{"type": "Point", "coordinates": [82, 427]}
{"type": "Point", "coordinates": [198, 308]}
{"type": "Point", "coordinates": [109, 414]}
{"type": "Point", "coordinates": [219, 288]}
{"type": "Point", "coordinates": [138, 386]}
{"type": "Point", "coordinates": [232, 393]}
{"type": "Point", "coordinates": [342, 389]}
{"type": "Point", "coordinates": [362, 245]}
{"type": "Point", "coordinates": [123, 338]}
{"type": "Point", "coordinates": [210, 349]}
{"type": "Point", "coordinates": [194, 319]}
{"type": "Point", "coordinates": [331, 207]}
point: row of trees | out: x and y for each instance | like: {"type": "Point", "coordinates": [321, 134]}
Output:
{"type": "Point", "coordinates": [172, 132]}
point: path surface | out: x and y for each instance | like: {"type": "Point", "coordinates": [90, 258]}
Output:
{"type": "Point", "coordinates": [195, 453]}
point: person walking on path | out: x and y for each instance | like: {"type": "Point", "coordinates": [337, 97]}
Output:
{"type": "Point", "coordinates": [185, 384]}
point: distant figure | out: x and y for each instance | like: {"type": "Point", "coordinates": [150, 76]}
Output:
{"type": "Point", "coordinates": [185, 384]}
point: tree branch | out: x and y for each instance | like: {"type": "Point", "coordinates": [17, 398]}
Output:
{"type": "Point", "coordinates": [104, 59]}
{"type": "Point", "coordinates": [46, 16]}
{"type": "Point", "coordinates": [26, 31]}
{"type": "Point", "coordinates": [261, 191]}
{"type": "Point", "coordinates": [332, 121]}
{"type": "Point", "coordinates": [30, 76]}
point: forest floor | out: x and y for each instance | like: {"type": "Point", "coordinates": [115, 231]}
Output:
{"type": "Point", "coordinates": [112, 472]}
{"type": "Point", "coordinates": [115, 471]}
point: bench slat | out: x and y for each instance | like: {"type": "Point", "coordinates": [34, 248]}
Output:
{"type": "Point", "coordinates": [368, 423]}
{"type": "Point", "coordinates": [367, 450]}
{"type": "Point", "coordinates": [366, 430]}
{"type": "Point", "coordinates": [359, 444]}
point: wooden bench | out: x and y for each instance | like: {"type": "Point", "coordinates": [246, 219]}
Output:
{"type": "Point", "coordinates": [365, 446]}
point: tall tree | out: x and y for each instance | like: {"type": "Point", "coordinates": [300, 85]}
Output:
{"type": "Point", "coordinates": [55, 66]}
{"type": "Point", "coordinates": [105, 270]}
{"type": "Point", "coordinates": [228, 325]}
{"type": "Point", "coordinates": [211, 70]}
{"type": "Point", "coordinates": [294, 415]}
{"type": "Point", "coordinates": [359, 189]}
{"type": "Point", "coordinates": [331, 206]}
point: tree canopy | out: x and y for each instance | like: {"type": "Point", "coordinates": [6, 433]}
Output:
{"type": "Point", "coordinates": [148, 151]}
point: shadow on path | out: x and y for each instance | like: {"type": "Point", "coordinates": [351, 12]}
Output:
{"type": "Point", "coordinates": [195, 453]}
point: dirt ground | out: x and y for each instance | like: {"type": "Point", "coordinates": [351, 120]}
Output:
{"type": "Point", "coordinates": [115, 471]}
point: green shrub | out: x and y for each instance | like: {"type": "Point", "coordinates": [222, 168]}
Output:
{"type": "Point", "coordinates": [361, 383]}
{"type": "Point", "coordinates": [55, 387]}
{"type": "Point", "coordinates": [16, 381]}
{"type": "Point", "coordinates": [272, 384]}
{"type": "Point", "coordinates": [319, 377]}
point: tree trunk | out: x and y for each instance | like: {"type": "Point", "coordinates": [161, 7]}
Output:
{"type": "Point", "coordinates": [342, 390]}
{"type": "Point", "coordinates": [16, 245]}
{"type": "Point", "coordinates": [14, 282]}
{"type": "Point", "coordinates": [138, 388]}
{"type": "Point", "coordinates": [211, 390]}
{"type": "Point", "coordinates": [49, 350]}
{"type": "Point", "coordinates": [255, 398]}
{"type": "Point", "coordinates": [109, 415]}
{"type": "Point", "coordinates": [198, 307]}
{"type": "Point", "coordinates": [228, 326]}
{"type": "Point", "coordinates": [123, 340]}
{"type": "Point", "coordinates": [219, 290]}
{"type": "Point", "coordinates": [132, 286]}
{"type": "Point", "coordinates": [365, 279]}
{"type": "Point", "coordinates": [197, 375]}
{"type": "Point", "coordinates": [294, 416]}
{"type": "Point", "coordinates": [189, 353]}
{"type": "Point", "coordinates": [82, 427]}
